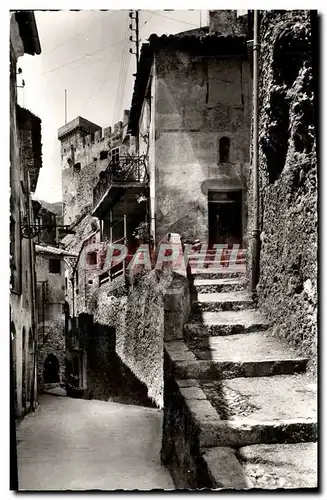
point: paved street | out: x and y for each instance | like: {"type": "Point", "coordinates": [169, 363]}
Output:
{"type": "Point", "coordinates": [74, 444]}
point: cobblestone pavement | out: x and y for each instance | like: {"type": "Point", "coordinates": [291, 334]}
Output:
{"type": "Point", "coordinates": [75, 444]}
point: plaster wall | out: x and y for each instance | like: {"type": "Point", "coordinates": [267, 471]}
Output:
{"type": "Point", "coordinates": [198, 101]}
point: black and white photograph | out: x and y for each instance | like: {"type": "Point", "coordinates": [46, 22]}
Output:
{"type": "Point", "coordinates": [163, 219]}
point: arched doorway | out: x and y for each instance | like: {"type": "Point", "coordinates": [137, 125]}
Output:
{"type": "Point", "coordinates": [51, 370]}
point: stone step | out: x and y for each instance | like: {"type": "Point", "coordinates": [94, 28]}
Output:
{"type": "Point", "coordinates": [244, 432]}
{"type": "Point", "coordinates": [223, 370]}
{"type": "Point", "coordinates": [252, 347]}
{"type": "Point", "coordinates": [221, 301]}
{"type": "Point", "coordinates": [287, 466]}
{"type": "Point", "coordinates": [235, 271]}
{"type": "Point", "coordinates": [218, 285]}
{"type": "Point", "coordinates": [266, 410]}
{"type": "Point", "coordinates": [225, 323]}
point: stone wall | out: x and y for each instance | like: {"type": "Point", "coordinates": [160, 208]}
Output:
{"type": "Point", "coordinates": [288, 176]}
{"type": "Point", "coordinates": [82, 160]}
{"type": "Point", "coordinates": [51, 341]}
{"type": "Point", "coordinates": [22, 296]}
{"type": "Point", "coordinates": [198, 101]}
{"type": "Point", "coordinates": [137, 317]}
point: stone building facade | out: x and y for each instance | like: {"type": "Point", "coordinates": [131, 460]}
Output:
{"type": "Point", "coordinates": [51, 310]}
{"type": "Point", "coordinates": [86, 152]}
{"type": "Point", "coordinates": [183, 158]}
{"type": "Point", "coordinates": [288, 77]}
{"type": "Point", "coordinates": [25, 163]}
{"type": "Point", "coordinates": [191, 110]}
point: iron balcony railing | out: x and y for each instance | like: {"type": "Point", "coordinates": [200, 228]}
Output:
{"type": "Point", "coordinates": [125, 170]}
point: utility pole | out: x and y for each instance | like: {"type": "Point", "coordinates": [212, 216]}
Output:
{"type": "Point", "coordinates": [135, 40]}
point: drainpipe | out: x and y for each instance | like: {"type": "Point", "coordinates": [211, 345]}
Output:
{"type": "Point", "coordinates": [255, 159]}
{"type": "Point", "coordinates": [33, 309]}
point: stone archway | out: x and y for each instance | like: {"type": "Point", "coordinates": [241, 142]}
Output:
{"type": "Point", "coordinates": [51, 370]}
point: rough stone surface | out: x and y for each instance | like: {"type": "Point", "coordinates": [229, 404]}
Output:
{"type": "Point", "coordinates": [225, 301]}
{"type": "Point", "coordinates": [255, 346]}
{"type": "Point", "coordinates": [288, 176]}
{"type": "Point", "coordinates": [225, 323]}
{"type": "Point", "coordinates": [54, 343]}
{"type": "Point", "coordinates": [225, 470]}
{"type": "Point", "coordinates": [281, 466]}
{"type": "Point", "coordinates": [283, 396]}
{"type": "Point", "coordinates": [138, 319]}
{"type": "Point", "coordinates": [243, 432]}
{"type": "Point", "coordinates": [217, 285]}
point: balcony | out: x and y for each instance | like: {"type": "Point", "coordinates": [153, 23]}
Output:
{"type": "Point", "coordinates": [127, 172]}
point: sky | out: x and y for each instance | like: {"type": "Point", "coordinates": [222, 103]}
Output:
{"type": "Point", "coordinates": [84, 52]}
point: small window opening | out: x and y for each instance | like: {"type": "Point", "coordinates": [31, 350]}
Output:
{"type": "Point", "coordinates": [77, 167]}
{"type": "Point", "coordinates": [115, 156]}
{"type": "Point", "coordinates": [224, 146]}
{"type": "Point", "coordinates": [91, 258]}
{"type": "Point", "coordinates": [54, 266]}
{"type": "Point", "coordinates": [103, 155]}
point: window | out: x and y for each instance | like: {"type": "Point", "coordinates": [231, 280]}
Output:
{"type": "Point", "coordinates": [224, 145]}
{"type": "Point", "coordinates": [77, 167]}
{"type": "Point", "coordinates": [115, 155]}
{"type": "Point", "coordinates": [91, 258]}
{"type": "Point", "coordinates": [54, 266]}
{"type": "Point", "coordinates": [104, 154]}
{"type": "Point", "coordinates": [66, 283]}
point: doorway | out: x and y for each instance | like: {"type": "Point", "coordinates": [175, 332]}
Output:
{"type": "Point", "coordinates": [51, 370]}
{"type": "Point", "coordinates": [225, 217]}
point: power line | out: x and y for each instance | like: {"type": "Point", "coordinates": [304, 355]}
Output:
{"type": "Point", "coordinates": [105, 78]}
{"type": "Point", "coordinates": [76, 35]}
{"type": "Point", "coordinates": [172, 18]}
{"type": "Point", "coordinates": [80, 58]}
{"type": "Point", "coordinates": [146, 21]}
{"type": "Point", "coordinates": [122, 75]}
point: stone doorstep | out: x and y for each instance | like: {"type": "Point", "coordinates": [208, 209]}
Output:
{"type": "Point", "coordinates": [245, 432]}
{"type": "Point", "coordinates": [221, 370]}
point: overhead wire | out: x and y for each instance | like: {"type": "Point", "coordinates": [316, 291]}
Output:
{"type": "Point", "coordinates": [77, 34]}
{"type": "Point", "coordinates": [87, 54]}
{"type": "Point", "coordinates": [122, 76]}
{"type": "Point", "coordinates": [172, 18]}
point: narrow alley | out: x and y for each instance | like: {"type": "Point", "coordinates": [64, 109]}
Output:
{"type": "Point", "coordinates": [76, 444]}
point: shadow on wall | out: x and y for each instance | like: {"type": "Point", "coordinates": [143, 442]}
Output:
{"type": "Point", "coordinates": [108, 377]}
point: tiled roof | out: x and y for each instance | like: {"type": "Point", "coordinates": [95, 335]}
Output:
{"type": "Point", "coordinates": [54, 251]}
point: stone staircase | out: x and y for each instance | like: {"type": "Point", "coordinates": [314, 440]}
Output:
{"type": "Point", "coordinates": [240, 409]}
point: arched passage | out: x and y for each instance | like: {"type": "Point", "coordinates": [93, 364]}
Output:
{"type": "Point", "coordinates": [51, 369]}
